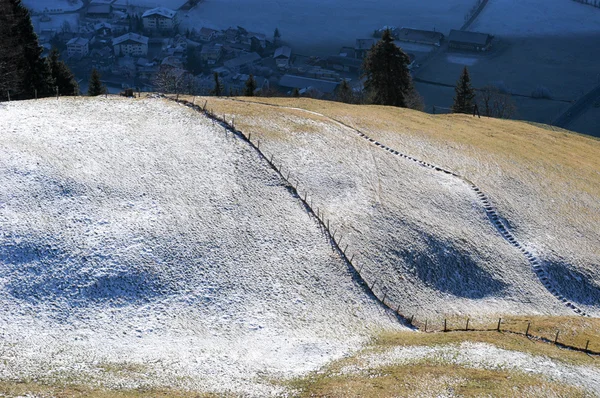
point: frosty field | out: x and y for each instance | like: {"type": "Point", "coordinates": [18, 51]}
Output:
{"type": "Point", "coordinates": [144, 248]}
{"type": "Point", "coordinates": [137, 235]}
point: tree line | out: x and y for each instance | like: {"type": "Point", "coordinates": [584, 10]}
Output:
{"type": "Point", "coordinates": [24, 72]}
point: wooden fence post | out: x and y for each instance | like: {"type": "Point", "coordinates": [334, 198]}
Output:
{"type": "Point", "coordinates": [345, 249]}
{"type": "Point", "coordinates": [499, 321]}
{"type": "Point", "coordinates": [556, 337]}
{"type": "Point", "coordinates": [425, 325]}
{"type": "Point", "coordinates": [527, 331]}
{"type": "Point", "coordinates": [384, 296]}
{"type": "Point", "coordinates": [351, 258]}
{"type": "Point", "coordinates": [587, 345]}
{"type": "Point", "coordinates": [412, 317]}
{"type": "Point", "coordinates": [445, 328]}
{"type": "Point", "coordinates": [467, 327]}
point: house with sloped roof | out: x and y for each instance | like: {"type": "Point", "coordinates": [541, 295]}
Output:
{"type": "Point", "coordinates": [242, 60]}
{"type": "Point", "coordinates": [131, 44]}
{"type": "Point", "coordinates": [472, 41]}
{"type": "Point", "coordinates": [78, 47]}
{"type": "Point", "coordinates": [282, 57]}
{"type": "Point", "coordinates": [419, 36]}
{"type": "Point", "coordinates": [207, 34]}
{"type": "Point", "coordinates": [159, 19]}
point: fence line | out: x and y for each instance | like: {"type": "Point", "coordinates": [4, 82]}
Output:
{"type": "Point", "coordinates": [425, 327]}
{"type": "Point", "coordinates": [303, 196]}
{"type": "Point", "coordinates": [324, 223]}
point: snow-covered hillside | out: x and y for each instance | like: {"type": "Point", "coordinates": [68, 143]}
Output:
{"type": "Point", "coordinates": [135, 234]}
{"type": "Point", "coordinates": [423, 236]}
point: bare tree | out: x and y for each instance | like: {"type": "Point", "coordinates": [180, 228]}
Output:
{"type": "Point", "coordinates": [175, 81]}
{"type": "Point", "coordinates": [495, 103]}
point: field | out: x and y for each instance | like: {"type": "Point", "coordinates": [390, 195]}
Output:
{"type": "Point", "coordinates": [537, 44]}
{"type": "Point", "coordinates": [147, 251]}
{"type": "Point", "coordinates": [164, 247]}
{"type": "Point", "coordinates": [322, 27]}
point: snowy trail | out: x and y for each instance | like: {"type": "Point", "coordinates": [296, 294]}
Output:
{"type": "Point", "coordinates": [493, 216]}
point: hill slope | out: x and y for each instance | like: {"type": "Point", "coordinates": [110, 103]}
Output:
{"type": "Point", "coordinates": [142, 245]}
{"type": "Point", "coordinates": [136, 235]}
{"type": "Point", "coordinates": [426, 234]}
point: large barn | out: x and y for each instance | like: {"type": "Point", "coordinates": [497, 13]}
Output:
{"type": "Point", "coordinates": [472, 41]}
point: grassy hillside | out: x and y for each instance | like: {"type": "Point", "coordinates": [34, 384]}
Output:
{"type": "Point", "coordinates": [147, 251]}
{"type": "Point", "coordinates": [545, 185]}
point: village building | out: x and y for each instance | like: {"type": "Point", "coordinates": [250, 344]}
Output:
{"type": "Point", "coordinates": [211, 53]}
{"type": "Point", "coordinates": [472, 41]}
{"type": "Point", "coordinates": [99, 11]}
{"type": "Point", "coordinates": [282, 57]}
{"type": "Point", "coordinates": [103, 29]}
{"type": "Point", "coordinates": [78, 47]}
{"type": "Point", "coordinates": [131, 44]}
{"type": "Point", "coordinates": [243, 60]}
{"type": "Point", "coordinates": [344, 64]}
{"type": "Point", "coordinates": [102, 59]}
{"type": "Point", "coordinates": [418, 36]}
{"type": "Point", "coordinates": [362, 47]}
{"type": "Point", "coordinates": [159, 19]}
{"type": "Point", "coordinates": [207, 34]}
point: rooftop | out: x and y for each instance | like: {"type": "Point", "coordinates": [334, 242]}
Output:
{"type": "Point", "coordinates": [78, 41]}
{"type": "Point", "coordinates": [130, 36]}
{"type": "Point", "coordinates": [469, 37]}
{"type": "Point", "coordinates": [160, 11]}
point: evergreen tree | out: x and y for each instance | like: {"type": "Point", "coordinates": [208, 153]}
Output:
{"type": "Point", "coordinates": [96, 88]}
{"type": "Point", "coordinates": [386, 70]}
{"type": "Point", "coordinates": [276, 36]}
{"type": "Point", "coordinates": [465, 94]}
{"type": "Point", "coordinates": [296, 93]}
{"type": "Point", "coordinates": [62, 75]}
{"type": "Point", "coordinates": [218, 90]}
{"type": "Point", "coordinates": [344, 93]}
{"type": "Point", "coordinates": [250, 87]}
{"type": "Point", "coordinates": [22, 68]}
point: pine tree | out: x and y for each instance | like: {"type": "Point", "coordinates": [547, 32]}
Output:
{"type": "Point", "coordinates": [276, 36]}
{"type": "Point", "coordinates": [62, 75]}
{"type": "Point", "coordinates": [465, 94]}
{"type": "Point", "coordinates": [344, 93]}
{"type": "Point", "coordinates": [22, 68]}
{"type": "Point", "coordinates": [218, 90]}
{"type": "Point", "coordinates": [386, 70]}
{"type": "Point", "coordinates": [250, 87]}
{"type": "Point", "coordinates": [296, 93]}
{"type": "Point", "coordinates": [96, 88]}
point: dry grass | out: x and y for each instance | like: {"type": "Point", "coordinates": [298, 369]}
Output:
{"type": "Point", "coordinates": [506, 341]}
{"type": "Point", "coordinates": [430, 378]}
{"type": "Point", "coordinates": [573, 330]}
{"type": "Point", "coordinates": [20, 389]}
{"type": "Point", "coordinates": [427, 380]}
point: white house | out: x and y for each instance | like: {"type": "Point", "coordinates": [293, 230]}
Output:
{"type": "Point", "coordinates": [282, 57]}
{"type": "Point", "coordinates": [159, 18]}
{"type": "Point", "coordinates": [78, 47]}
{"type": "Point", "coordinates": [131, 44]}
